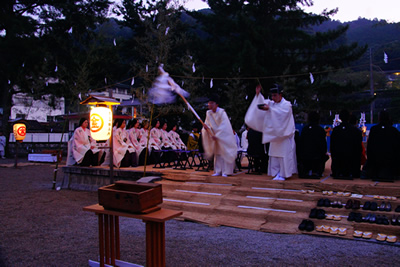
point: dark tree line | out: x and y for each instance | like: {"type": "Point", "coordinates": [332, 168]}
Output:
{"type": "Point", "coordinates": [236, 43]}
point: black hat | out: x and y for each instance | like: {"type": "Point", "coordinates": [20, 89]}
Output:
{"type": "Point", "coordinates": [214, 98]}
{"type": "Point", "coordinates": [276, 89]}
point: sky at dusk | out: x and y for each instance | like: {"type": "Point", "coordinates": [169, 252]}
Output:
{"type": "Point", "coordinates": [349, 10]}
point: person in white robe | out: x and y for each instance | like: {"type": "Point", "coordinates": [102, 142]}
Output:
{"type": "Point", "coordinates": [176, 139]}
{"type": "Point", "coordinates": [123, 151]}
{"type": "Point", "coordinates": [82, 148]}
{"type": "Point", "coordinates": [218, 139]}
{"type": "Point", "coordinates": [155, 135]}
{"type": "Point", "coordinates": [274, 118]}
{"type": "Point", "coordinates": [166, 142]}
{"type": "Point", "coordinates": [134, 137]}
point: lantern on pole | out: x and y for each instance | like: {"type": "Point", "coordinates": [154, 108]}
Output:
{"type": "Point", "coordinates": [19, 130]}
{"type": "Point", "coordinates": [101, 116]}
{"type": "Point", "coordinates": [101, 122]}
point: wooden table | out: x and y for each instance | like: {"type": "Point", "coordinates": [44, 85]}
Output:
{"type": "Point", "coordinates": [109, 244]}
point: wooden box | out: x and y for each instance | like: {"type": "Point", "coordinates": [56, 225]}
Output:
{"type": "Point", "coordinates": [131, 196]}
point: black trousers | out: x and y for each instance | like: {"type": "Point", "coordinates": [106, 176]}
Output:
{"type": "Point", "coordinates": [90, 159]}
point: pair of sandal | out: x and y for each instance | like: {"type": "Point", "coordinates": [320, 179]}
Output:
{"type": "Point", "coordinates": [333, 217]}
{"type": "Point", "coordinates": [333, 230]}
{"type": "Point", "coordinates": [366, 235]}
{"type": "Point", "coordinates": [388, 238]}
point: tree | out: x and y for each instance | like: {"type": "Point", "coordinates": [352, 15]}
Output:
{"type": "Point", "coordinates": [272, 41]}
{"type": "Point", "coordinates": [37, 44]}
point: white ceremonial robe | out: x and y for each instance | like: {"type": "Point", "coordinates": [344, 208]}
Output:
{"type": "Point", "coordinates": [278, 128]}
{"type": "Point", "coordinates": [224, 148]}
{"type": "Point", "coordinates": [133, 134]}
{"type": "Point", "coordinates": [155, 136]}
{"type": "Point", "coordinates": [144, 134]}
{"type": "Point", "coordinates": [121, 144]}
{"type": "Point", "coordinates": [176, 140]}
{"type": "Point", "coordinates": [165, 141]}
{"type": "Point", "coordinates": [80, 142]}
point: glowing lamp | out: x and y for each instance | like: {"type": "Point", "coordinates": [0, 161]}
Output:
{"type": "Point", "coordinates": [19, 130]}
{"type": "Point", "coordinates": [100, 123]}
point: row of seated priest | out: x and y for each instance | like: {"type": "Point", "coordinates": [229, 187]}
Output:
{"type": "Point", "coordinates": [129, 144]}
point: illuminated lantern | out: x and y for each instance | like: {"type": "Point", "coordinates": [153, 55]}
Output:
{"type": "Point", "coordinates": [100, 123]}
{"type": "Point", "coordinates": [19, 130]}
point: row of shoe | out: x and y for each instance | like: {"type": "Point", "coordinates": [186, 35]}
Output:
{"type": "Point", "coordinates": [331, 229]}
{"type": "Point", "coordinates": [379, 237]}
{"type": "Point", "coordinates": [317, 214]}
{"type": "Point", "coordinates": [331, 193]}
{"type": "Point", "coordinates": [384, 206]}
{"type": "Point", "coordinates": [306, 225]}
{"type": "Point", "coordinates": [385, 197]}
{"type": "Point", "coordinates": [353, 204]}
{"type": "Point", "coordinates": [327, 203]}
{"type": "Point", "coordinates": [370, 218]}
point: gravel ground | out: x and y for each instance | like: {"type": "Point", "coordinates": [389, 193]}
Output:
{"type": "Point", "coordinates": [44, 227]}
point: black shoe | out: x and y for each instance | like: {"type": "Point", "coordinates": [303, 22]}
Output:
{"type": "Point", "coordinates": [372, 219]}
{"type": "Point", "coordinates": [349, 204]}
{"type": "Point", "coordinates": [339, 204]}
{"type": "Point", "coordinates": [374, 206]}
{"type": "Point", "coordinates": [379, 219]}
{"type": "Point", "coordinates": [320, 202]}
{"type": "Point", "coordinates": [382, 206]}
{"type": "Point", "coordinates": [367, 205]}
{"type": "Point", "coordinates": [358, 217]}
{"type": "Point", "coordinates": [334, 204]}
{"type": "Point", "coordinates": [367, 217]}
{"type": "Point", "coordinates": [321, 214]}
{"type": "Point", "coordinates": [302, 225]}
{"type": "Point", "coordinates": [313, 213]}
{"type": "Point", "coordinates": [397, 209]}
{"type": "Point", "coordinates": [356, 204]}
{"type": "Point", "coordinates": [309, 226]}
{"type": "Point", "coordinates": [351, 217]}
{"type": "Point", "coordinates": [388, 206]}
{"type": "Point", "coordinates": [327, 203]}
{"type": "Point", "coordinates": [385, 220]}
{"type": "Point", "coordinates": [394, 221]}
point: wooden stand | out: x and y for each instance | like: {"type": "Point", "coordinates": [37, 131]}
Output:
{"type": "Point", "coordinates": [109, 244]}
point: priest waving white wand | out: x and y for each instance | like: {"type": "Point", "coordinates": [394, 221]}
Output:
{"type": "Point", "coordinates": [163, 89]}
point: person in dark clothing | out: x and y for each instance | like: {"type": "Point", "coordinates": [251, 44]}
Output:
{"type": "Point", "coordinates": [383, 150]}
{"type": "Point", "coordinates": [256, 151]}
{"type": "Point", "coordinates": [312, 148]}
{"type": "Point", "coordinates": [346, 149]}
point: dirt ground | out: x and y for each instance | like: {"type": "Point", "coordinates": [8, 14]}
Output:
{"type": "Point", "coordinates": [44, 227]}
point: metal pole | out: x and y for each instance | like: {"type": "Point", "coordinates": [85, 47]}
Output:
{"type": "Point", "coordinates": [16, 154]}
